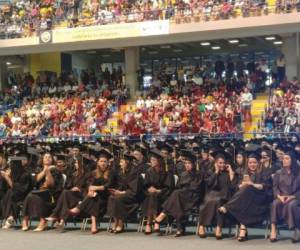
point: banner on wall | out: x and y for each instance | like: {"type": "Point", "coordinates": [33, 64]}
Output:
{"type": "Point", "coordinates": [111, 31]}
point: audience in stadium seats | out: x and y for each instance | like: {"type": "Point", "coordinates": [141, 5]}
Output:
{"type": "Point", "coordinates": [67, 105]}
{"type": "Point", "coordinates": [27, 17]}
{"type": "Point", "coordinates": [283, 114]}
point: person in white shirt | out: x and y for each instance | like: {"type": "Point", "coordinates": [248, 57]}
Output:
{"type": "Point", "coordinates": [246, 102]}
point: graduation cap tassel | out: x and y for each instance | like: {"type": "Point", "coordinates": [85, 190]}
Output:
{"type": "Point", "coordinates": [197, 165]}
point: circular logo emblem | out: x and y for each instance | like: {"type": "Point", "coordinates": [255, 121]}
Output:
{"type": "Point", "coordinates": [46, 37]}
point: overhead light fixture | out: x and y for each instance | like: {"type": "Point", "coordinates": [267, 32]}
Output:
{"type": "Point", "coordinates": [177, 50]}
{"type": "Point", "coordinates": [91, 52]}
{"type": "Point", "coordinates": [8, 63]}
{"type": "Point", "coordinates": [233, 41]}
{"type": "Point", "coordinates": [205, 43]}
{"type": "Point", "coordinates": [243, 45]}
{"type": "Point", "coordinates": [165, 46]}
{"type": "Point", "coordinates": [270, 38]}
{"type": "Point", "coordinates": [152, 52]}
{"type": "Point", "coordinates": [278, 42]}
{"type": "Point", "coordinates": [215, 47]}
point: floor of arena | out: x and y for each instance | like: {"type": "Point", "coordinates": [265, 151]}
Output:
{"type": "Point", "coordinates": [73, 239]}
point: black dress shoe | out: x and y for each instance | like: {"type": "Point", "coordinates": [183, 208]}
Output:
{"type": "Point", "coordinates": [202, 236]}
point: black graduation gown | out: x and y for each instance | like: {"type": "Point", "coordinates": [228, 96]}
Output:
{"type": "Point", "coordinates": [162, 180]}
{"type": "Point", "coordinates": [3, 190]}
{"type": "Point", "coordinates": [219, 189]}
{"type": "Point", "coordinates": [22, 185]}
{"type": "Point", "coordinates": [68, 198]}
{"type": "Point", "coordinates": [187, 195]}
{"type": "Point", "coordinates": [249, 205]}
{"type": "Point", "coordinates": [286, 184]}
{"type": "Point", "coordinates": [179, 168]}
{"type": "Point", "coordinates": [142, 167]}
{"type": "Point", "coordinates": [39, 203]}
{"type": "Point", "coordinates": [96, 206]}
{"type": "Point", "coordinates": [121, 206]}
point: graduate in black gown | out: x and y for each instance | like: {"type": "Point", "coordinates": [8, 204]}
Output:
{"type": "Point", "coordinates": [125, 187]}
{"type": "Point", "coordinates": [74, 191]}
{"type": "Point", "coordinates": [19, 181]}
{"type": "Point", "coordinates": [40, 202]}
{"type": "Point", "coordinates": [240, 164]}
{"type": "Point", "coordinates": [158, 184]}
{"type": "Point", "coordinates": [187, 194]}
{"type": "Point", "coordinates": [3, 184]}
{"type": "Point", "coordinates": [286, 190]}
{"type": "Point", "coordinates": [140, 155]}
{"type": "Point", "coordinates": [94, 203]}
{"type": "Point", "coordinates": [250, 204]}
{"type": "Point", "coordinates": [220, 184]}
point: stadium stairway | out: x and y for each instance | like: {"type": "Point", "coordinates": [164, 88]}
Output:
{"type": "Point", "coordinates": [258, 108]}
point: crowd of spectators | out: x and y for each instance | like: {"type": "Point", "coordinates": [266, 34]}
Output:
{"type": "Point", "coordinates": [27, 17]}
{"type": "Point", "coordinates": [283, 113]}
{"type": "Point", "coordinates": [68, 105]}
{"type": "Point", "coordinates": [207, 99]}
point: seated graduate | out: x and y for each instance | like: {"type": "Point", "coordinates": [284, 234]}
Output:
{"type": "Point", "coordinates": [124, 192]}
{"type": "Point", "coordinates": [19, 183]}
{"type": "Point", "coordinates": [250, 204]}
{"type": "Point", "coordinates": [240, 163]}
{"type": "Point", "coordinates": [220, 184]}
{"type": "Point", "coordinates": [94, 203]}
{"type": "Point", "coordinates": [286, 189]}
{"type": "Point", "coordinates": [187, 194]}
{"type": "Point", "coordinates": [40, 202]}
{"type": "Point", "coordinates": [74, 191]}
{"type": "Point", "coordinates": [158, 184]}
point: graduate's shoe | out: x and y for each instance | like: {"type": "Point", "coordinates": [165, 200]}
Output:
{"type": "Point", "coordinates": [296, 236]}
{"type": "Point", "coordinates": [219, 237]}
{"type": "Point", "coordinates": [273, 238]}
{"type": "Point", "coordinates": [25, 228]}
{"type": "Point", "coordinates": [157, 230]}
{"type": "Point", "coordinates": [179, 234]}
{"type": "Point", "coordinates": [201, 234]}
{"type": "Point", "coordinates": [147, 232]}
{"type": "Point", "coordinates": [8, 223]}
{"type": "Point", "coordinates": [94, 231]}
{"type": "Point", "coordinates": [40, 228]}
{"type": "Point", "coordinates": [243, 238]}
{"type": "Point", "coordinates": [118, 231]}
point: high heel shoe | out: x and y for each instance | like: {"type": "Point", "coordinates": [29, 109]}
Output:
{"type": "Point", "coordinates": [179, 234]}
{"type": "Point", "coordinates": [158, 223]}
{"type": "Point", "coordinates": [202, 235]}
{"type": "Point", "coordinates": [243, 238]}
{"type": "Point", "coordinates": [40, 228]}
{"type": "Point", "coordinates": [119, 231]}
{"type": "Point", "coordinates": [149, 232]}
{"type": "Point", "coordinates": [219, 237]}
{"type": "Point", "coordinates": [273, 240]}
{"type": "Point", "coordinates": [94, 231]}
